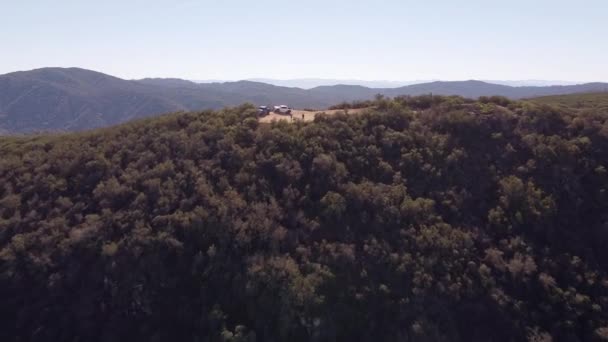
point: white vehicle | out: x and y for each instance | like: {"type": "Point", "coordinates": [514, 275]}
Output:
{"type": "Point", "coordinates": [282, 109]}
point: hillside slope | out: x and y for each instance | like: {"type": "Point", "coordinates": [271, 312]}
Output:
{"type": "Point", "coordinates": [423, 220]}
{"type": "Point", "coordinates": [72, 99]}
{"type": "Point", "coordinates": [475, 89]}
{"type": "Point", "coordinates": [56, 99]}
{"type": "Point", "coordinates": [582, 102]}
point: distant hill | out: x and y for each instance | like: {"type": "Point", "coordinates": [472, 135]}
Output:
{"type": "Point", "coordinates": [71, 99]}
{"type": "Point", "coordinates": [474, 89]}
{"type": "Point", "coordinates": [533, 83]}
{"type": "Point", "coordinates": [308, 83]}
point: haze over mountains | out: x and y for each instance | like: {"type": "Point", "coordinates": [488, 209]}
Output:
{"type": "Point", "coordinates": [70, 99]}
{"type": "Point", "coordinates": [308, 83]}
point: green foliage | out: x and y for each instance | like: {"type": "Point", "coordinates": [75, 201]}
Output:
{"type": "Point", "coordinates": [593, 101]}
{"type": "Point", "coordinates": [353, 105]}
{"type": "Point", "coordinates": [425, 219]}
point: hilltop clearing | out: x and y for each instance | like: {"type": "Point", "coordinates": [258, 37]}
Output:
{"type": "Point", "coordinates": [308, 115]}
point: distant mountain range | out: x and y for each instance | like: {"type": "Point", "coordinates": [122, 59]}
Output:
{"type": "Point", "coordinates": [68, 99]}
{"type": "Point", "coordinates": [308, 83]}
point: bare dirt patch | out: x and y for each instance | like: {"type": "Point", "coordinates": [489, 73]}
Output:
{"type": "Point", "coordinates": [306, 115]}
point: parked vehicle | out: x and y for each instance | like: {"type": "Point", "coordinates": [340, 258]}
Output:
{"type": "Point", "coordinates": [263, 110]}
{"type": "Point", "coordinates": [282, 109]}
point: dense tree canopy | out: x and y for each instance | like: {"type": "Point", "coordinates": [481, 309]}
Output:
{"type": "Point", "coordinates": [424, 219]}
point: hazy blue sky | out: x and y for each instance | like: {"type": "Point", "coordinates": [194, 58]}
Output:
{"type": "Point", "coordinates": [236, 39]}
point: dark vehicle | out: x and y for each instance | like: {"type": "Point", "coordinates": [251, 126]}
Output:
{"type": "Point", "coordinates": [263, 110]}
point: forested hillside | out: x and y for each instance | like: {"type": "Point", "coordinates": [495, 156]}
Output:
{"type": "Point", "coordinates": [424, 219]}
{"type": "Point", "coordinates": [580, 102]}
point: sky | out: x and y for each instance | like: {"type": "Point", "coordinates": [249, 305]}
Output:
{"type": "Point", "coordinates": [393, 40]}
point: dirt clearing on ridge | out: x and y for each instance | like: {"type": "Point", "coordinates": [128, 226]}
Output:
{"type": "Point", "coordinates": [307, 115]}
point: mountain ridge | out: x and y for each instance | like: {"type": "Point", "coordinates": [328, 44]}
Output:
{"type": "Point", "coordinates": [309, 83]}
{"type": "Point", "coordinates": [73, 99]}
